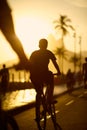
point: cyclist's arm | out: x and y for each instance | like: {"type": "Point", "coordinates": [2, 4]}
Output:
{"type": "Point", "coordinates": [56, 66]}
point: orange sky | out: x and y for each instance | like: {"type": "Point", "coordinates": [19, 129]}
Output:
{"type": "Point", "coordinates": [33, 20]}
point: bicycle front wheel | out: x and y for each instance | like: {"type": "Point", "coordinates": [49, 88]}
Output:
{"type": "Point", "coordinates": [53, 116]}
{"type": "Point", "coordinates": [41, 119]}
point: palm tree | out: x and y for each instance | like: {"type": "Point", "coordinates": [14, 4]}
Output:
{"type": "Point", "coordinates": [62, 54]}
{"type": "Point", "coordinates": [75, 60]}
{"type": "Point", "coordinates": [63, 25]}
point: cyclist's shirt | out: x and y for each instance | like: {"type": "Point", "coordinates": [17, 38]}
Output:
{"type": "Point", "coordinates": [40, 60]}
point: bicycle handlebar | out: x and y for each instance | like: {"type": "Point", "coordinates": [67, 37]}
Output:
{"type": "Point", "coordinates": [56, 74]}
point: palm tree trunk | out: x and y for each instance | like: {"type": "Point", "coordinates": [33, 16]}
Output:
{"type": "Point", "coordinates": [80, 52]}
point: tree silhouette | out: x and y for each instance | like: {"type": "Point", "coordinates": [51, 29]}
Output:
{"type": "Point", "coordinates": [76, 62]}
{"type": "Point", "coordinates": [63, 24]}
{"type": "Point", "coordinates": [62, 54]}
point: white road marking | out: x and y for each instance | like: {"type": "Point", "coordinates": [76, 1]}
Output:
{"type": "Point", "coordinates": [81, 95]}
{"type": "Point", "coordinates": [70, 102]}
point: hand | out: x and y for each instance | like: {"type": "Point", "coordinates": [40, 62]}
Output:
{"type": "Point", "coordinates": [58, 73]}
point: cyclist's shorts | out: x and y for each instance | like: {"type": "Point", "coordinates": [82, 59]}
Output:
{"type": "Point", "coordinates": [39, 80]}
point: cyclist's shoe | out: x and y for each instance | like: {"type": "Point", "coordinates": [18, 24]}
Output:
{"type": "Point", "coordinates": [38, 119]}
{"type": "Point", "coordinates": [53, 101]}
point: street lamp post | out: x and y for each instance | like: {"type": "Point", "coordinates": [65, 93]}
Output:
{"type": "Point", "coordinates": [80, 51]}
{"type": "Point", "coordinates": [74, 35]}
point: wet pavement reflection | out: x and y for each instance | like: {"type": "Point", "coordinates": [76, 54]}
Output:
{"type": "Point", "coordinates": [22, 97]}
{"type": "Point", "coordinates": [18, 98]}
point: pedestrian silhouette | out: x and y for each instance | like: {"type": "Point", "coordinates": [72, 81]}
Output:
{"type": "Point", "coordinates": [7, 28]}
{"type": "Point", "coordinates": [85, 73]}
{"type": "Point", "coordinates": [5, 117]}
{"type": "Point", "coordinates": [4, 74]}
{"type": "Point", "coordinates": [70, 81]}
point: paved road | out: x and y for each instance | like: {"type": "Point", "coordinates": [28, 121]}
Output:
{"type": "Point", "coordinates": [71, 113]}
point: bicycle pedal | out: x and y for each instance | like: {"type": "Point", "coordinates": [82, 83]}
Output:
{"type": "Point", "coordinates": [54, 102]}
{"type": "Point", "coordinates": [37, 120]}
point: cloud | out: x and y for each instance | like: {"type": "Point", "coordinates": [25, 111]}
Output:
{"type": "Point", "coordinates": [79, 3]}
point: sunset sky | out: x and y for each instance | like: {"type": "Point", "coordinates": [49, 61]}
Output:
{"type": "Point", "coordinates": [33, 19]}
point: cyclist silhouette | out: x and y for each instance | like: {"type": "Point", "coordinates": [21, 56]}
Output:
{"type": "Point", "coordinates": [40, 73]}
{"type": "Point", "coordinates": [85, 72]}
{"type": "Point", "coordinates": [7, 28]}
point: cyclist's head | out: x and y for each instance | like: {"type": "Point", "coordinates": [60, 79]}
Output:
{"type": "Point", "coordinates": [43, 43]}
{"type": "Point", "coordinates": [4, 65]}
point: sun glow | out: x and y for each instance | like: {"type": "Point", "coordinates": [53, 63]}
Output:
{"type": "Point", "coordinates": [30, 30]}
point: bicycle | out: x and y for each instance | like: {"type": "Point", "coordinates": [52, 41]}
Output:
{"type": "Point", "coordinates": [44, 109]}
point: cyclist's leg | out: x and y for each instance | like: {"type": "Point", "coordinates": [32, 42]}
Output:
{"type": "Point", "coordinates": [38, 99]}
{"type": "Point", "coordinates": [50, 89]}
{"type": "Point", "coordinates": [40, 109]}
{"type": "Point", "coordinates": [38, 89]}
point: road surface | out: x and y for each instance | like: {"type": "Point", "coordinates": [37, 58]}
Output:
{"type": "Point", "coordinates": [71, 112]}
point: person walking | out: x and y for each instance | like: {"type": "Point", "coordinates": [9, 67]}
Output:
{"type": "Point", "coordinates": [4, 74]}
{"type": "Point", "coordinates": [85, 73]}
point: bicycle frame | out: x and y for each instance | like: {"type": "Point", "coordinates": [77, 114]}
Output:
{"type": "Point", "coordinates": [46, 107]}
